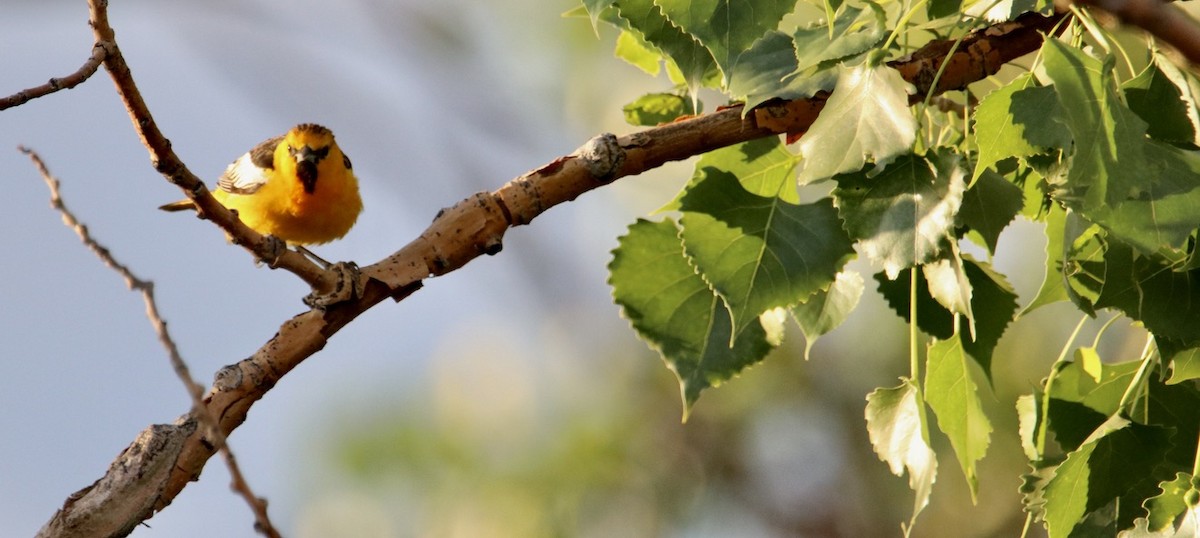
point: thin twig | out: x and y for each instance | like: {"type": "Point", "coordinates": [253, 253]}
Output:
{"type": "Point", "coordinates": [1164, 21]}
{"type": "Point", "coordinates": [146, 288]}
{"type": "Point", "coordinates": [85, 71]}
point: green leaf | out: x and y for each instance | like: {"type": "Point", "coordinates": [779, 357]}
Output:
{"type": "Point", "coordinates": [1146, 289]}
{"type": "Point", "coordinates": [948, 284]}
{"type": "Point", "coordinates": [866, 116]}
{"type": "Point", "coordinates": [726, 27]}
{"type": "Point", "coordinates": [1054, 287]}
{"type": "Point", "coordinates": [765, 70]}
{"type": "Point", "coordinates": [904, 214]}
{"type": "Point", "coordinates": [1029, 415]}
{"type": "Point", "coordinates": [1003, 10]}
{"type": "Point", "coordinates": [898, 434]}
{"type": "Point", "coordinates": [1108, 165]}
{"type": "Point", "coordinates": [1161, 96]}
{"type": "Point", "coordinates": [992, 300]}
{"type": "Point", "coordinates": [1115, 465]}
{"type": "Point", "coordinates": [825, 310]}
{"type": "Point", "coordinates": [1019, 119]}
{"type": "Point", "coordinates": [674, 311]}
{"type": "Point", "coordinates": [1184, 360]}
{"type": "Point", "coordinates": [1165, 216]}
{"type": "Point", "coordinates": [693, 60]}
{"type": "Point", "coordinates": [989, 206]}
{"type": "Point", "coordinates": [657, 108]}
{"type": "Point", "coordinates": [595, 8]}
{"type": "Point", "coordinates": [761, 252]}
{"type": "Point", "coordinates": [954, 397]}
{"type": "Point", "coordinates": [637, 53]}
{"type": "Point", "coordinates": [854, 31]}
{"type": "Point", "coordinates": [1169, 503]}
{"type": "Point", "coordinates": [1079, 403]}
{"type": "Point", "coordinates": [937, 9]}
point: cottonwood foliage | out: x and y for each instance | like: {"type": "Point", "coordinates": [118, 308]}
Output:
{"type": "Point", "coordinates": [1104, 154]}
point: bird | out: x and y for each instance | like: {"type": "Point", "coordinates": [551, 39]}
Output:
{"type": "Point", "coordinates": [298, 187]}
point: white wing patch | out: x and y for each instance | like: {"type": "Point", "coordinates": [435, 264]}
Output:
{"type": "Point", "coordinates": [242, 176]}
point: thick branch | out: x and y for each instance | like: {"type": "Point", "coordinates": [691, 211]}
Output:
{"type": "Point", "coordinates": [476, 226]}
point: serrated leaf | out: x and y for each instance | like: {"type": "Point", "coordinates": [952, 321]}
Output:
{"type": "Point", "coordinates": [1184, 361]}
{"type": "Point", "coordinates": [760, 252]}
{"type": "Point", "coordinates": [1161, 97]}
{"type": "Point", "coordinates": [595, 8]}
{"type": "Point", "coordinates": [903, 215]}
{"type": "Point", "coordinates": [726, 27]}
{"type": "Point", "coordinates": [764, 72]}
{"type": "Point", "coordinates": [954, 397]}
{"type": "Point", "coordinates": [1054, 288]}
{"type": "Point", "coordinates": [827, 309]}
{"type": "Point", "coordinates": [992, 299]}
{"type": "Point", "coordinates": [657, 108]}
{"type": "Point", "coordinates": [1079, 404]}
{"type": "Point", "coordinates": [634, 51]}
{"type": "Point", "coordinates": [1029, 415]}
{"type": "Point", "coordinates": [1108, 163]}
{"type": "Point", "coordinates": [1165, 216]}
{"type": "Point", "coordinates": [693, 60]}
{"type": "Point", "coordinates": [854, 31]}
{"type": "Point", "coordinates": [1116, 465]}
{"type": "Point", "coordinates": [948, 285]}
{"type": "Point", "coordinates": [1019, 119]}
{"type": "Point", "coordinates": [1003, 10]}
{"type": "Point", "coordinates": [898, 435]}
{"type": "Point", "coordinates": [989, 206]}
{"type": "Point", "coordinates": [866, 117]}
{"type": "Point", "coordinates": [758, 165]}
{"type": "Point", "coordinates": [1147, 290]}
{"type": "Point", "coordinates": [676, 313]}
{"type": "Point", "coordinates": [1169, 504]}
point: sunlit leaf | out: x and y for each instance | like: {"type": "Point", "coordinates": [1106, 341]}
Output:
{"type": "Point", "coordinates": [825, 310]}
{"type": "Point", "coordinates": [896, 427]}
{"type": "Point", "coordinates": [676, 313]}
{"type": "Point", "coordinates": [1108, 163]}
{"type": "Point", "coordinates": [1169, 504]}
{"type": "Point", "coordinates": [726, 27]}
{"type": "Point", "coordinates": [903, 215]}
{"type": "Point", "coordinates": [765, 70]}
{"type": "Point", "coordinates": [854, 30]}
{"type": "Point", "coordinates": [633, 50]}
{"type": "Point", "coordinates": [655, 108]}
{"type": "Point", "coordinates": [761, 252]}
{"type": "Point", "coordinates": [954, 397]}
{"type": "Point", "coordinates": [1019, 119]}
{"type": "Point", "coordinates": [693, 60]}
{"type": "Point", "coordinates": [866, 117]}
{"type": "Point", "coordinates": [1117, 464]}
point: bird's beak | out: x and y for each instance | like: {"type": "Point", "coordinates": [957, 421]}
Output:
{"type": "Point", "coordinates": [306, 167]}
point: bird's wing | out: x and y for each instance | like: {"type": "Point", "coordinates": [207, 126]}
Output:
{"type": "Point", "coordinates": [249, 172]}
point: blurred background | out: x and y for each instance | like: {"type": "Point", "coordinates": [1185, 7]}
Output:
{"type": "Point", "coordinates": [506, 399]}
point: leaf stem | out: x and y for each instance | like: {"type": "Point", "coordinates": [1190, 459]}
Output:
{"type": "Point", "coordinates": [1139, 379]}
{"type": "Point", "coordinates": [901, 24]}
{"type": "Point", "coordinates": [1058, 363]}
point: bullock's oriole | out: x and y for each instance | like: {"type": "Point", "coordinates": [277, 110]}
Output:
{"type": "Point", "coordinates": [298, 187]}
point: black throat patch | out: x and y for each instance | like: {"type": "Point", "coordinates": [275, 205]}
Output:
{"type": "Point", "coordinates": [307, 172]}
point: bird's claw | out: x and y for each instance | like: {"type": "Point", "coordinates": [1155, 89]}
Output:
{"type": "Point", "coordinates": [348, 286]}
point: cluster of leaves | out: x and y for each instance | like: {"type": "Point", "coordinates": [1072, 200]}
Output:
{"type": "Point", "coordinates": [1109, 165]}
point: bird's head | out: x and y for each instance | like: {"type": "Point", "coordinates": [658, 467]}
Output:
{"type": "Point", "coordinates": [308, 146]}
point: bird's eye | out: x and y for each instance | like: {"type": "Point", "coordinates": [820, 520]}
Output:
{"type": "Point", "coordinates": [321, 153]}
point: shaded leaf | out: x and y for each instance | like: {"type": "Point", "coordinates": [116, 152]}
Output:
{"type": "Point", "coordinates": [1019, 119]}
{"type": "Point", "coordinates": [827, 309]}
{"type": "Point", "coordinates": [676, 313]}
{"type": "Point", "coordinates": [1165, 215]}
{"type": "Point", "coordinates": [1147, 290]}
{"type": "Point", "coordinates": [726, 27]}
{"type": "Point", "coordinates": [765, 70]}
{"type": "Point", "coordinates": [854, 31]}
{"type": "Point", "coordinates": [693, 60]}
{"type": "Point", "coordinates": [989, 206]}
{"type": "Point", "coordinates": [1161, 97]}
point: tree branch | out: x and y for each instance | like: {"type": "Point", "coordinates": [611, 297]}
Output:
{"type": "Point", "coordinates": [89, 67]}
{"type": "Point", "coordinates": [164, 458]}
{"type": "Point", "coordinates": [146, 288]}
{"type": "Point", "coordinates": [1160, 19]}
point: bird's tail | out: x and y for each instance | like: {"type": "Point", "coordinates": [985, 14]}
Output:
{"type": "Point", "coordinates": [181, 205]}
